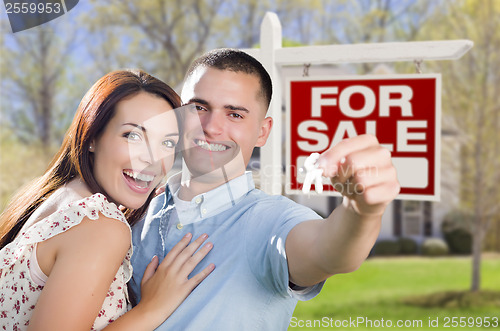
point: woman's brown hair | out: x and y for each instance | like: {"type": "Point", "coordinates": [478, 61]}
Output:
{"type": "Point", "coordinates": [73, 158]}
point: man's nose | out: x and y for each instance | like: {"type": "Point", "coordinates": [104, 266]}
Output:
{"type": "Point", "coordinates": [213, 123]}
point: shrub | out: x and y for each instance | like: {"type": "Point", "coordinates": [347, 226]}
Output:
{"type": "Point", "coordinates": [459, 241]}
{"type": "Point", "coordinates": [457, 219]}
{"type": "Point", "coordinates": [456, 231]}
{"type": "Point", "coordinates": [387, 247]}
{"type": "Point", "coordinates": [407, 246]}
{"type": "Point", "coordinates": [434, 247]}
{"type": "Point", "coordinates": [453, 299]}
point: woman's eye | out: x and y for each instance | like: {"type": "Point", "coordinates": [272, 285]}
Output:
{"type": "Point", "coordinates": [132, 136]}
{"type": "Point", "coordinates": [169, 143]}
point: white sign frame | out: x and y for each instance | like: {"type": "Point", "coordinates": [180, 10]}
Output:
{"type": "Point", "coordinates": [274, 56]}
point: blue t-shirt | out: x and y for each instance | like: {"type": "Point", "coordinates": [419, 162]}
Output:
{"type": "Point", "coordinates": [249, 288]}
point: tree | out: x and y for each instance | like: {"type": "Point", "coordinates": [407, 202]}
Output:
{"type": "Point", "coordinates": [470, 96]}
{"type": "Point", "coordinates": [33, 66]}
{"type": "Point", "coordinates": [159, 36]}
{"type": "Point", "coordinates": [164, 36]}
{"type": "Point", "coordinates": [368, 21]}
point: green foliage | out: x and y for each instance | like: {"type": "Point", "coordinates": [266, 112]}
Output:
{"type": "Point", "coordinates": [407, 246]}
{"type": "Point", "coordinates": [34, 68]}
{"type": "Point", "coordinates": [457, 219]}
{"type": "Point", "coordinates": [434, 247]}
{"type": "Point", "coordinates": [452, 299]}
{"type": "Point", "coordinates": [456, 231]}
{"type": "Point", "coordinates": [459, 241]}
{"type": "Point", "coordinates": [387, 247]}
{"type": "Point", "coordinates": [401, 246]}
{"type": "Point", "coordinates": [19, 164]}
{"type": "Point", "coordinates": [162, 37]}
{"type": "Point", "coordinates": [471, 86]}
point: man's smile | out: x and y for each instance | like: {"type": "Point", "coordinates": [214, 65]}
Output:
{"type": "Point", "coordinates": [212, 147]}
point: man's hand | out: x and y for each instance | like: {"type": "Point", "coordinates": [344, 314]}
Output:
{"type": "Point", "coordinates": [361, 170]}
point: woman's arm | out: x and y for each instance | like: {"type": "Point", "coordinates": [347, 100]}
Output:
{"type": "Point", "coordinates": [87, 258]}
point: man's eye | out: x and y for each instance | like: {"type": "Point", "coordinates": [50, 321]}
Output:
{"type": "Point", "coordinates": [132, 136]}
{"type": "Point", "coordinates": [200, 108]}
{"type": "Point", "coordinates": [169, 143]}
{"type": "Point", "coordinates": [235, 115]}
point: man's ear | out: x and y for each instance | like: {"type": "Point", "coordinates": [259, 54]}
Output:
{"type": "Point", "coordinates": [265, 129]}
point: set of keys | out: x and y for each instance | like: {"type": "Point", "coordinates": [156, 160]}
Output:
{"type": "Point", "coordinates": [313, 174]}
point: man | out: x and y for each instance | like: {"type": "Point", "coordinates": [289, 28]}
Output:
{"type": "Point", "coordinates": [269, 252]}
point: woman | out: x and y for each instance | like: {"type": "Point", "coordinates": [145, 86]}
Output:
{"type": "Point", "coordinates": [66, 247]}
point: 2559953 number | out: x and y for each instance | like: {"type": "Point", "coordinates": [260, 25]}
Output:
{"type": "Point", "coordinates": [454, 322]}
{"type": "Point", "coordinates": [33, 8]}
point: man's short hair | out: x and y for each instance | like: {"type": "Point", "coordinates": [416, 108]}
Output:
{"type": "Point", "coordinates": [237, 61]}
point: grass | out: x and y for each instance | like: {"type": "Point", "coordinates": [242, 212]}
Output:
{"type": "Point", "coordinates": [406, 289]}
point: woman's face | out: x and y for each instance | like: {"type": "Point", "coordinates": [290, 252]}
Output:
{"type": "Point", "coordinates": [136, 149]}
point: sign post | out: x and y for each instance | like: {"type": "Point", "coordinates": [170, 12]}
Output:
{"type": "Point", "coordinates": [272, 55]}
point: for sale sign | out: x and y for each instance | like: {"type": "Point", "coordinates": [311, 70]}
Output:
{"type": "Point", "coordinates": [402, 111]}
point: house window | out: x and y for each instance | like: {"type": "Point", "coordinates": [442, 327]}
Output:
{"type": "Point", "coordinates": [413, 216]}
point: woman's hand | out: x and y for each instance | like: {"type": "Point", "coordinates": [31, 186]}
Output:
{"type": "Point", "coordinates": [160, 190]}
{"type": "Point", "coordinates": [165, 286]}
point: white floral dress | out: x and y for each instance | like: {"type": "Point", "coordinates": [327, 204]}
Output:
{"type": "Point", "coordinates": [19, 293]}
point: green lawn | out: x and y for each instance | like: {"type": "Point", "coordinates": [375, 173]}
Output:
{"type": "Point", "coordinates": [378, 289]}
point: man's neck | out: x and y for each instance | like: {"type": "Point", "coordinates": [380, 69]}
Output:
{"type": "Point", "coordinates": [193, 186]}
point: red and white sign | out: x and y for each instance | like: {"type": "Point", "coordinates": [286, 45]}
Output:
{"type": "Point", "coordinates": [402, 111]}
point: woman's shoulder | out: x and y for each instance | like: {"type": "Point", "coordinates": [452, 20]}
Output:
{"type": "Point", "coordinates": [102, 238]}
{"type": "Point", "coordinates": [76, 196]}
{"type": "Point", "coordinates": [94, 207]}
{"type": "Point", "coordinates": [96, 230]}
{"type": "Point", "coordinates": [100, 225]}
{"type": "Point", "coordinates": [69, 214]}
{"type": "Point", "coordinates": [70, 198]}
{"type": "Point", "coordinates": [100, 222]}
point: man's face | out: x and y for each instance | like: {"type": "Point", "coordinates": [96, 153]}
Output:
{"type": "Point", "coordinates": [232, 117]}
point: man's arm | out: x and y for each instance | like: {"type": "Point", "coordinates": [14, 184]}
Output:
{"type": "Point", "coordinates": [361, 169]}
